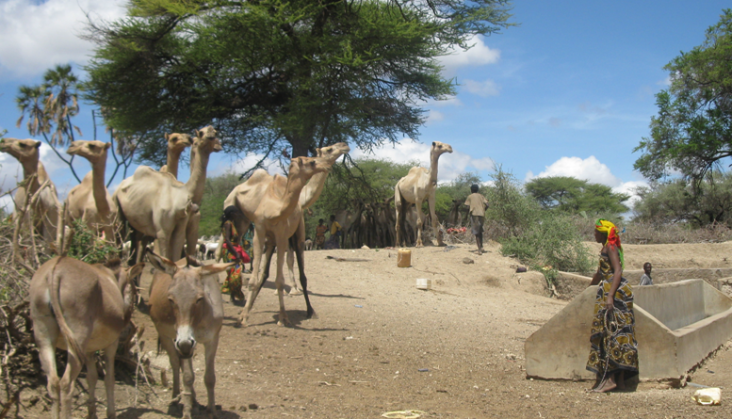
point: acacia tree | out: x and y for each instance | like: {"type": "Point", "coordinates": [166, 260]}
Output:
{"type": "Point", "coordinates": [692, 132]}
{"type": "Point", "coordinates": [571, 195]}
{"type": "Point", "coordinates": [274, 75]}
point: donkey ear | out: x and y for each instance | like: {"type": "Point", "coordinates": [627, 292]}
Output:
{"type": "Point", "coordinates": [135, 271]}
{"type": "Point", "coordinates": [162, 264]}
{"type": "Point", "coordinates": [215, 268]}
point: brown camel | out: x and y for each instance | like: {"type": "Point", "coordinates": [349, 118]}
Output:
{"type": "Point", "coordinates": [160, 207]}
{"type": "Point", "coordinates": [276, 219]}
{"type": "Point", "coordinates": [89, 201]}
{"type": "Point", "coordinates": [177, 143]}
{"type": "Point", "coordinates": [81, 308]}
{"type": "Point", "coordinates": [45, 213]}
{"type": "Point", "coordinates": [186, 308]}
{"type": "Point", "coordinates": [419, 184]}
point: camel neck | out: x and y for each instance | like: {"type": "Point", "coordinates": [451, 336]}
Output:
{"type": "Point", "coordinates": [99, 190]}
{"type": "Point", "coordinates": [197, 182]}
{"type": "Point", "coordinates": [311, 192]}
{"type": "Point", "coordinates": [291, 198]}
{"type": "Point", "coordinates": [433, 168]}
{"type": "Point", "coordinates": [173, 160]}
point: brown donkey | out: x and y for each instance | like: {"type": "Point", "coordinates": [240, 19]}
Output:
{"type": "Point", "coordinates": [186, 307]}
{"type": "Point", "coordinates": [81, 308]}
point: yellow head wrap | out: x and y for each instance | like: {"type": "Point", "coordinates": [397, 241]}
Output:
{"type": "Point", "coordinates": [604, 226]}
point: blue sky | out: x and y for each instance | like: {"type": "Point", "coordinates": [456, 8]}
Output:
{"type": "Point", "coordinates": [570, 91]}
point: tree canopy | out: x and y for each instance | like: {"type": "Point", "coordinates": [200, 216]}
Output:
{"type": "Point", "coordinates": [280, 74]}
{"type": "Point", "coordinates": [693, 129]}
{"type": "Point", "coordinates": [567, 194]}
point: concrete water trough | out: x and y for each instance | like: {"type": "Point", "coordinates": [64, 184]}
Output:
{"type": "Point", "coordinates": [677, 326]}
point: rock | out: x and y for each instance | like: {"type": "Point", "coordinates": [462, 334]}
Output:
{"type": "Point", "coordinates": [468, 261]}
{"type": "Point", "coordinates": [243, 408]}
{"type": "Point", "coordinates": [364, 247]}
{"type": "Point", "coordinates": [511, 357]}
{"type": "Point", "coordinates": [253, 406]}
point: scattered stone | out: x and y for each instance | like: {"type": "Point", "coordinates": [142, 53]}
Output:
{"type": "Point", "coordinates": [468, 261]}
{"type": "Point", "coordinates": [242, 408]}
{"type": "Point", "coordinates": [253, 406]}
{"type": "Point", "coordinates": [511, 357]}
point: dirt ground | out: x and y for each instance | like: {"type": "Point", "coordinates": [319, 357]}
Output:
{"type": "Point", "coordinates": [379, 344]}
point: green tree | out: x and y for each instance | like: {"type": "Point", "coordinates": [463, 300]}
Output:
{"type": "Point", "coordinates": [280, 75]}
{"type": "Point", "coordinates": [681, 201]}
{"type": "Point", "coordinates": [567, 194]}
{"type": "Point", "coordinates": [693, 129]}
{"type": "Point", "coordinates": [217, 189]}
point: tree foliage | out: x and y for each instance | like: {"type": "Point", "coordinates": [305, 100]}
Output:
{"type": "Point", "coordinates": [280, 74]}
{"type": "Point", "coordinates": [567, 194]}
{"type": "Point", "coordinates": [693, 129]}
{"type": "Point", "coordinates": [679, 201]}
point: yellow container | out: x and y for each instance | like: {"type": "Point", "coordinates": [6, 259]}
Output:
{"type": "Point", "coordinates": [404, 258]}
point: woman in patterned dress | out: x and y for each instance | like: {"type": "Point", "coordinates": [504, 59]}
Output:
{"type": "Point", "coordinates": [234, 253]}
{"type": "Point", "coordinates": [614, 350]}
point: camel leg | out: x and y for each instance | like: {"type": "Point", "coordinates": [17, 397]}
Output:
{"type": "Point", "coordinates": [192, 234]}
{"type": "Point", "coordinates": [46, 332]}
{"type": "Point", "coordinates": [109, 355]}
{"type": "Point", "coordinates": [304, 280]}
{"type": "Point", "coordinates": [420, 226]}
{"type": "Point", "coordinates": [433, 218]}
{"type": "Point", "coordinates": [399, 213]}
{"type": "Point", "coordinates": [280, 279]}
{"type": "Point", "coordinates": [187, 397]}
{"type": "Point", "coordinates": [294, 288]}
{"type": "Point", "coordinates": [209, 377]}
{"type": "Point", "coordinates": [257, 279]}
{"type": "Point", "coordinates": [91, 380]}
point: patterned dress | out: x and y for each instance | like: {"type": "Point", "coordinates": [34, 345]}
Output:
{"type": "Point", "coordinates": [232, 284]}
{"type": "Point", "coordinates": [613, 347]}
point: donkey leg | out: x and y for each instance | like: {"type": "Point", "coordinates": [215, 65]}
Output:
{"type": "Point", "coordinates": [187, 397]}
{"type": "Point", "coordinates": [92, 376]}
{"type": "Point", "coordinates": [47, 355]}
{"type": "Point", "coordinates": [210, 375]}
{"type": "Point", "coordinates": [73, 367]}
{"type": "Point", "coordinates": [109, 355]}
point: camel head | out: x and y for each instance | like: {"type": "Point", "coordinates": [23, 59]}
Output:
{"type": "Point", "coordinates": [206, 141]}
{"type": "Point", "coordinates": [332, 152]}
{"type": "Point", "coordinates": [187, 297]}
{"type": "Point", "coordinates": [22, 150]}
{"type": "Point", "coordinates": [178, 142]}
{"type": "Point", "coordinates": [307, 167]}
{"type": "Point", "coordinates": [94, 151]}
{"type": "Point", "coordinates": [439, 148]}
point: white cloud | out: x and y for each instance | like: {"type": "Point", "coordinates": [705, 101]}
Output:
{"type": "Point", "coordinates": [449, 166]}
{"type": "Point", "coordinates": [38, 36]}
{"type": "Point", "coordinates": [242, 165]}
{"type": "Point", "coordinates": [593, 171]}
{"type": "Point", "coordinates": [478, 55]}
{"type": "Point", "coordinates": [434, 116]}
{"type": "Point", "coordinates": [482, 88]}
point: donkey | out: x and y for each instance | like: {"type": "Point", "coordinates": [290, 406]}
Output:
{"type": "Point", "coordinates": [81, 308]}
{"type": "Point", "coordinates": [186, 308]}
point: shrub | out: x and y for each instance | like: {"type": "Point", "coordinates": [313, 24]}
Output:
{"type": "Point", "coordinates": [86, 247]}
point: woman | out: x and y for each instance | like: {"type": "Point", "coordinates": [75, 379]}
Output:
{"type": "Point", "coordinates": [614, 350]}
{"type": "Point", "coordinates": [234, 252]}
{"type": "Point", "coordinates": [320, 234]}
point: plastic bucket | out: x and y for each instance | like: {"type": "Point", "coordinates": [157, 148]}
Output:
{"type": "Point", "coordinates": [404, 258]}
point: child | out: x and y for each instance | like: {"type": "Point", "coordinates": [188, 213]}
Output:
{"type": "Point", "coordinates": [478, 204]}
{"type": "Point", "coordinates": [320, 234]}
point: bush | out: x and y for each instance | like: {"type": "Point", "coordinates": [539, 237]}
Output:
{"type": "Point", "coordinates": [86, 247]}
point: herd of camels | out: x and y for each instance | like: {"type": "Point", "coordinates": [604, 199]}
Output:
{"type": "Point", "coordinates": [155, 206]}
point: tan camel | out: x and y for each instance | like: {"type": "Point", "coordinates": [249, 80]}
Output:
{"type": "Point", "coordinates": [160, 207]}
{"type": "Point", "coordinates": [277, 217]}
{"type": "Point", "coordinates": [419, 184]}
{"type": "Point", "coordinates": [81, 308]}
{"type": "Point", "coordinates": [45, 214]}
{"type": "Point", "coordinates": [89, 201]}
{"type": "Point", "coordinates": [247, 195]}
{"type": "Point", "coordinates": [186, 308]}
{"type": "Point", "coordinates": [204, 144]}
{"type": "Point", "coordinates": [177, 143]}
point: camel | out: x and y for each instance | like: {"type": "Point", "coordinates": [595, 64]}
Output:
{"type": "Point", "coordinates": [419, 184]}
{"type": "Point", "coordinates": [160, 207]}
{"type": "Point", "coordinates": [81, 308]}
{"type": "Point", "coordinates": [45, 213]}
{"type": "Point", "coordinates": [253, 189]}
{"type": "Point", "coordinates": [89, 201]}
{"type": "Point", "coordinates": [186, 308]}
{"type": "Point", "coordinates": [177, 143]}
{"type": "Point", "coordinates": [204, 144]}
{"type": "Point", "coordinates": [277, 217]}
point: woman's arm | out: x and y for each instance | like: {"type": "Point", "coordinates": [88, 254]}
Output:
{"type": "Point", "coordinates": [617, 275]}
{"type": "Point", "coordinates": [596, 278]}
{"type": "Point", "coordinates": [227, 240]}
